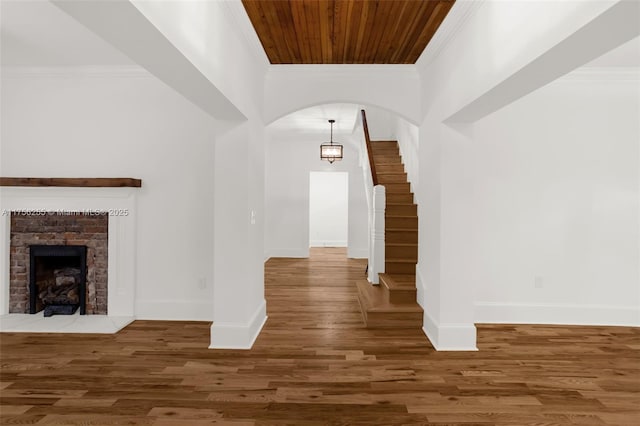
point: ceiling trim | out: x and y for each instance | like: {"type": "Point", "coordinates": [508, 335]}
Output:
{"type": "Point", "coordinates": [341, 70]}
{"type": "Point", "coordinates": [460, 13]}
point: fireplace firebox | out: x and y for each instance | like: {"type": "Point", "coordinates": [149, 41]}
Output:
{"type": "Point", "coordinates": [57, 279]}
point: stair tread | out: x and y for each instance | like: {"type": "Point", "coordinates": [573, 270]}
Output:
{"type": "Point", "coordinates": [393, 302]}
{"type": "Point", "coordinates": [398, 280]}
{"type": "Point", "coordinates": [372, 298]}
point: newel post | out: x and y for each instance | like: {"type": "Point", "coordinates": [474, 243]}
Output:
{"type": "Point", "coordinates": [377, 254]}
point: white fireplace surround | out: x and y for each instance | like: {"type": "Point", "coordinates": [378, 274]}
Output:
{"type": "Point", "coordinates": [121, 203]}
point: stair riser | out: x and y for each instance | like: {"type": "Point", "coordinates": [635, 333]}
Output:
{"type": "Point", "coordinates": [395, 293]}
{"type": "Point", "coordinates": [392, 178]}
{"type": "Point", "coordinates": [406, 279]}
{"type": "Point", "coordinates": [401, 237]}
{"type": "Point", "coordinates": [389, 168]}
{"type": "Point", "coordinates": [402, 210]}
{"type": "Point", "coordinates": [390, 152]}
{"type": "Point", "coordinates": [385, 149]}
{"type": "Point", "coordinates": [392, 156]}
{"type": "Point", "coordinates": [398, 188]}
{"type": "Point", "coordinates": [394, 320]}
{"type": "Point", "coordinates": [399, 268]}
{"type": "Point", "coordinates": [401, 252]}
{"type": "Point", "coordinates": [399, 198]}
{"type": "Point", "coordinates": [401, 222]}
{"type": "Point", "coordinates": [400, 296]}
{"type": "Point", "coordinates": [384, 144]}
{"type": "Point", "coordinates": [381, 161]}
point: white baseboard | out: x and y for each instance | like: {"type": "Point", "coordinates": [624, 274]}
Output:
{"type": "Point", "coordinates": [297, 253]}
{"type": "Point", "coordinates": [420, 289]}
{"type": "Point", "coordinates": [174, 310]}
{"type": "Point", "coordinates": [237, 335]}
{"type": "Point", "coordinates": [449, 337]}
{"type": "Point", "coordinates": [565, 314]}
{"type": "Point", "coordinates": [323, 243]}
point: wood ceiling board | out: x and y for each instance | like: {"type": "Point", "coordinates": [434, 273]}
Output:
{"type": "Point", "coordinates": [412, 36]}
{"type": "Point", "coordinates": [345, 31]}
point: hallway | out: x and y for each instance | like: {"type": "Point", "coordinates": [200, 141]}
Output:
{"type": "Point", "coordinates": [316, 363]}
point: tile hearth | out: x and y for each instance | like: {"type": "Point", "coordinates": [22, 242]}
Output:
{"type": "Point", "coordinates": [37, 323]}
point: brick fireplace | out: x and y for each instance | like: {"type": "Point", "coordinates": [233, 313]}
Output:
{"type": "Point", "coordinates": [59, 229]}
{"type": "Point", "coordinates": [106, 229]}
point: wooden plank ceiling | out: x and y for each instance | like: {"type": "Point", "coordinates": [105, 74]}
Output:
{"type": "Point", "coordinates": [345, 31]}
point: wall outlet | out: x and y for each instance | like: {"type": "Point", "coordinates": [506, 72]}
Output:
{"type": "Point", "coordinates": [538, 282]}
{"type": "Point", "coordinates": [253, 217]}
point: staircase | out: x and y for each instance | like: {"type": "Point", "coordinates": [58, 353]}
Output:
{"type": "Point", "coordinates": [393, 302]}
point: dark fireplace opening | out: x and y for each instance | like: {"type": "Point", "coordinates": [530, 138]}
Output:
{"type": "Point", "coordinates": [57, 279]}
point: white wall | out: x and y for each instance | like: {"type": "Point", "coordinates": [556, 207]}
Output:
{"type": "Point", "coordinates": [408, 138]}
{"type": "Point", "coordinates": [453, 266]}
{"type": "Point", "coordinates": [381, 123]}
{"type": "Point", "coordinates": [328, 209]}
{"type": "Point", "coordinates": [550, 189]}
{"type": "Point", "coordinates": [289, 160]}
{"type": "Point", "coordinates": [497, 41]}
{"type": "Point", "coordinates": [209, 34]}
{"type": "Point", "coordinates": [121, 24]}
{"type": "Point", "coordinates": [109, 123]}
{"type": "Point", "coordinates": [213, 36]}
{"type": "Point", "coordinates": [391, 87]}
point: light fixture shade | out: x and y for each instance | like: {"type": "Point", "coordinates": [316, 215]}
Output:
{"type": "Point", "coordinates": [331, 152]}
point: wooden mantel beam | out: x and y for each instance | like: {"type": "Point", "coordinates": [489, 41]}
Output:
{"type": "Point", "coordinates": [72, 182]}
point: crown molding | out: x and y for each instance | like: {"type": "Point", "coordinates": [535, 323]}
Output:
{"type": "Point", "coordinates": [238, 16]}
{"type": "Point", "coordinates": [75, 72]}
{"type": "Point", "coordinates": [344, 70]}
{"type": "Point", "coordinates": [460, 13]}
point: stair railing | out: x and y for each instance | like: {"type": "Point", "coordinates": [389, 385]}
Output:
{"type": "Point", "coordinates": [367, 139]}
{"type": "Point", "coordinates": [376, 201]}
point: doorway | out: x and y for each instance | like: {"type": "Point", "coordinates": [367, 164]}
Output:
{"type": "Point", "coordinates": [328, 209]}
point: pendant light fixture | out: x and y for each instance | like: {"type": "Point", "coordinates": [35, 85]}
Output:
{"type": "Point", "coordinates": [331, 151]}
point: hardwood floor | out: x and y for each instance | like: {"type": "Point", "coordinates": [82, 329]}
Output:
{"type": "Point", "coordinates": [315, 363]}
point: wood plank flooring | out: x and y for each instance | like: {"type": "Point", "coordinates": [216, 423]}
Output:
{"type": "Point", "coordinates": [315, 363]}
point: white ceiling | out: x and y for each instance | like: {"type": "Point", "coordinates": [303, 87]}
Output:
{"type": "Point", "coordinates": [37, 33]}
{"type": "Point", "coordinates": [315, 119]}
